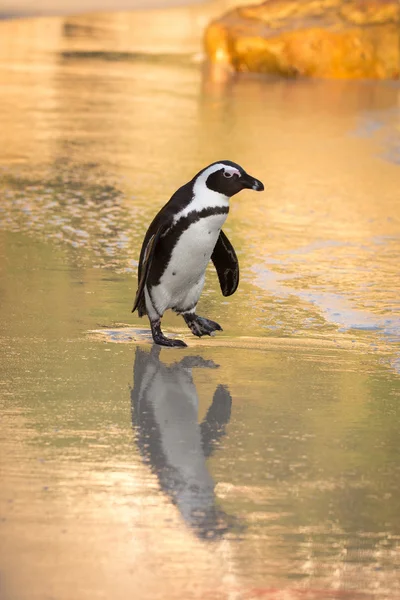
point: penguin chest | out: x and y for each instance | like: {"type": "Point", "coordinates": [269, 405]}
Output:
{"type": "Point", "coordinates": [192, 252]}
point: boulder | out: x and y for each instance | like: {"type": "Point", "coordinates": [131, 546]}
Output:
{"type": "Point", "coordinates": [351, 39]}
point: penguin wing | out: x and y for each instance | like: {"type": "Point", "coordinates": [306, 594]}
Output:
{"type": "Point", "coordinates": [227, 265]}
{"type": "Point", "coordinates": [146, 261]}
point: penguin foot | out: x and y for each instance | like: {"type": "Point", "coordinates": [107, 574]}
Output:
{"type": "Point", "coordinates": [160, 339]}
{"type": "Point", "coordinates": [200, 325]}
{"type": "Point", "coordinates": [164, 341]}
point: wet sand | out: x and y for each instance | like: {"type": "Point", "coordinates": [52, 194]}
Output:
{"type": "Point", "coordinates": [262, 463]}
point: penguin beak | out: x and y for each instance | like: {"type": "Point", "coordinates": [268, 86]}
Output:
{"type": "Point", "coordinates": [258, 185]}
{"type": "Point", "coordinates": [252, 184]}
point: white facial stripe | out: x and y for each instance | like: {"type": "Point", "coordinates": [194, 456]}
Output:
{"type": "Point", "coordinates": [201, 180]}
{"type": "Point", "coordinates": [203, 197]}
{"type": "Point", "coordinates": [232, 171]}
{"type": "Point", "coordinates": [217, 167]}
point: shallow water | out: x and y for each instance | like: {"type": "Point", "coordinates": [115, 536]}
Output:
{"type": "Point", "coordinates": [262, 463]}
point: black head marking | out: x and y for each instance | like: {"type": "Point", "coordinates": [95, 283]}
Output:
{"type": "Point", "coordinates": [230, 178]}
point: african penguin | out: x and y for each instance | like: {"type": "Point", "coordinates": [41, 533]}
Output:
{"type": "Point", "coordinates": [179, 243]}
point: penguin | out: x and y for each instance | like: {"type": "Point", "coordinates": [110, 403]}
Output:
{"type": "Point", "coordinates": [181, 240]}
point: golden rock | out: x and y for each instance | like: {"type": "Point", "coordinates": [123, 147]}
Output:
{"type": "Point", "coordinates": [347, 39]}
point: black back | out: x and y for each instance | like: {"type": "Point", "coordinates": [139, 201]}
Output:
{"type": "Point", "coordinates": [163, 219]}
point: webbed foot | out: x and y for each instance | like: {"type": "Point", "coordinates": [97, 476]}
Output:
{"type": "Point", "coordinates": [200, 325]}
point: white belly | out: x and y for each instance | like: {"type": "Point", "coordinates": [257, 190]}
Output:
{"type": "Point", "coordinates": [184, 276]}
{"type": "Point", "coordinates": [192, 253]}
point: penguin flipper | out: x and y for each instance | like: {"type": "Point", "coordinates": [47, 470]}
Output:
{"type": "Point", "coordinates": [144, 269]}
{"type": "Point", "coordinates": [226, 264]}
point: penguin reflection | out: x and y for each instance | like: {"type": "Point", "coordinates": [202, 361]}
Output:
{"type": "Point", "coordinates": [164, 415]}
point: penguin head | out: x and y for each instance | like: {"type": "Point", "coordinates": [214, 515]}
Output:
{"type": "Point", "coordinates": [228, 178]}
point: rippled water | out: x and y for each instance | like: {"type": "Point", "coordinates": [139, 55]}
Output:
{"type": "Point", "coordinates": [262, 463]}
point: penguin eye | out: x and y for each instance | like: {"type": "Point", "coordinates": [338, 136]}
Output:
{"type": "Point", "coordinates": [228, 174]}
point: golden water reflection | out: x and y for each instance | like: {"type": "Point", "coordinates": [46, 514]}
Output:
{"type": "Point", "coordinates": [305, 479]}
